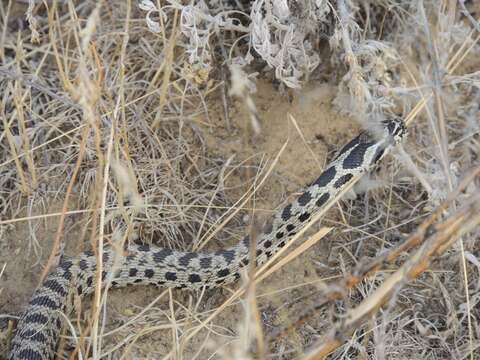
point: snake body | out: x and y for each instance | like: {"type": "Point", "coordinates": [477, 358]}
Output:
{"type": "Point", "coordinates": [40, 324]}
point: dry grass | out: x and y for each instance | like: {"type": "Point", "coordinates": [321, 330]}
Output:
{"type": "Point", "coordinates": [115, 129]}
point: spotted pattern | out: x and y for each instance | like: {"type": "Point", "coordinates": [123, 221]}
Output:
{"type": "Point", "coordinates": [322, 200]}
{"type": "Point", "coordinates": [304, 199]}
{"type": "Point", "coordinates": [304, 216]}
{"type": "Point", "coordinates": [342, 180]}
{"type": "Point", "coordinates": [287, 212]}
{"type": "Point", "coordinates": [326, 177]}
{"type": "Point", "coordinates": [355, 158]}
{"type": "Point", "coordinates": [40, 324]}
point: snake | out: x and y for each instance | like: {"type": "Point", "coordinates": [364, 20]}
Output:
{"type": "Point", "coordinates": [41, 323]}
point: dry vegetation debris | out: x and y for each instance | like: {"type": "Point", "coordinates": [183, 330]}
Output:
{"type": "Point", "coordinates": [116, 125]}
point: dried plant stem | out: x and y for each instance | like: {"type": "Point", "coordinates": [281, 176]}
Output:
{"type": "Point", "coordinates": [13, 151]}
{"type": "Point", "coordinates": [167, 69]}
{"type": "Point", "coordinates": [66, 200]}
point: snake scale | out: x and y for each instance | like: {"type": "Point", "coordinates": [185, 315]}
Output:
{"type": "Point", "coordinates": [40, 324]}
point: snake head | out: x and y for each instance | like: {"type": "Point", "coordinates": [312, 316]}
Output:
{"type": "Point", "coordinates": [395, 130]}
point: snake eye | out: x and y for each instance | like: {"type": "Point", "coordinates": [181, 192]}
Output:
{"type": "Point", "coordinates": [395, 129]}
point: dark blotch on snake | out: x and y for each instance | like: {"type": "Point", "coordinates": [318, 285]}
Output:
{"type": "Point", "coordinates": [355, 158]}
{"type": "Point", "coordinates": [34, 335]}
{"type": "Point", "coordinates": [136, 281]}
{"type": "Point", "coordinates": [66, 265]}
{"type": "Point", "coordinates": [170, 276]}
{"type": "Point", "coordinates": [322, 199]}
{"type": "Point", "coordinates": [223, 273]}
{"type": "Point", "coordinates": [144, 248]}
{"type": "Point", "coordinates": [149, 273]}
{"type": "Point", "coordinates": [342, 180]}
{"type": "Point", "coordinates": [194, 278]}
{"type": "Point", "coordinates": [286, 213]}
{"type": "Point", "coordinates": [114, 283]}
{"type": "Point", "coordinates": [67, 274]}
{"type": "Point", "coordinates": [159, 256]}
{"type": "Point", "coordinates": [259, 252]}
{"type": "Point", "coordinates": [80, 289]}
{"type": "Point", "coordinates": [83, 264]}
{"type": "Point", "coordinates": [44, 301]}
{"type": "Point", "coordinates": [89, 281]}
{"type": "Point", "coordinates": [281, 244]}
{"type": "Point", "coordinates": [290, 227]}
{"type": "Point", "coordinates": [205, 262]}
{"type": "Point", "coordinates": [305, 198]}
{"type": "Point", "coordinates": [326, 177]}
{"type": "Point", "coordinates": [279, 235]}
{"type": "Point", "coordinates": [185, 259]}
{"type": "Point", "coordinates": [88, 253]}
{"type": "Point", "coordinates": [268, 253]}
{"type": "Point", "coordinates": [30, 354]}
{"type": "Point", "coordinates": [350, 145]}
{"type": "Point", "coordinates": [104, 275]}
{"type": "Point", "coordinates": [304, 217]}
{"type": "Point", "coordinates": [378, 154]}
{"type": "Point", "coordinates": [55, 286]}
{"type": "Point", "coordinates": [132, 272]}
{"type": "Point", "coordinates": [228, 255]}
{"type": "Point", "coordinates": [36, 318]}
{"type": "Point", "coordinates": [267, 244]}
